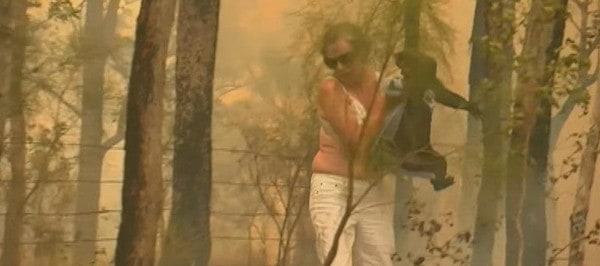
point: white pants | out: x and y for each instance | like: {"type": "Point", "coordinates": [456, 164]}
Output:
{"type": "Point", "coordinates": [368, 237]}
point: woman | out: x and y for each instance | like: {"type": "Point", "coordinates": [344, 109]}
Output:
{"type": "Point", "coordinates": [344, 100]}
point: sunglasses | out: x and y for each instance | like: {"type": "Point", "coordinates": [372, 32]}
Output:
{"type": "Point", "coordinates": [344, 59]}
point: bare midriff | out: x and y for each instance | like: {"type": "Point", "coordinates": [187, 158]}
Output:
{"type": "Point", "coordinates": [331, 158]}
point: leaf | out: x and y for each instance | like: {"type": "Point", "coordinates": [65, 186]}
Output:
{"type": "Point", "coordinates": [419, 261]}
{"type": "Point", "coordinates": [435, 226]}
{"type": "Point", "coordinates": [466, 236]}
{"type": "Point", "coordinates": [63, 10]}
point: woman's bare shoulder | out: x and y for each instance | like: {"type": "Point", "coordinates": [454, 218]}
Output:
{"type": "Point", "coordinates": [328, 86]}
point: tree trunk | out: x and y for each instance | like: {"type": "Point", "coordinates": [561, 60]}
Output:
{"type": "Point", "coordinates": [495, 94]}
{"type": "Point", "coordinates": [13, 227]}
{"type": "Point", "coordinates": [412, 24]}
{"type": "Point", "coordinates": [404, 187]}
{"type": "Point", "coordinates": [533, 219]}
{"type": "Point", "coordinates": [530, 85]}
{"type": "Point", "coordinates": [142, 187]}
{"type": "Point", "coordinates": [472, 157]}
{"type": "Point", "coordinates": [97, 35]}
{"type": "Point", "coordinates": [587, 170]}
{"type": "Point", "coordinates": [534, 205]}
{"type": "Point", "coordinates": [582, 198]}
{"type": "Point", "coordinates": [2, 130]}
{"type": "Point", "coordinates": [6, 29]}
{"type": "Point", "coordinates": [188, 237]}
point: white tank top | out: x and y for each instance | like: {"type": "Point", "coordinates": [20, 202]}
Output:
{"type": "Point", "coordinates": [358, 109]}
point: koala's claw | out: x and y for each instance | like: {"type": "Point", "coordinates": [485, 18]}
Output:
{"type": "Point", "coordinates": [440, 183]}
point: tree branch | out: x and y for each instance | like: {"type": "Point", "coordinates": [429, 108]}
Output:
{"type": "Point", "coordinates": [575, 241]}
{"type": "Point", "coordinates": [124, 72]}
{"type": "Point", "coordinates": [594, 44]}
{"type": "Point", "coordinates": [110, 20]}
{"type": "Point", "coordinates": [574, 96]}
{"type": "Point", "coordinates": [120, 133]}
{"type": "Point", "coordinates": [577, 27]}
{"type": "Point", "coordinates": [61, 99]}
{"type": "Point", "coordinates": [580, 3]}
{"type": "Point", "coordinates": [593, 77]}
{"type": "Point", "coordinates": [227, 88]}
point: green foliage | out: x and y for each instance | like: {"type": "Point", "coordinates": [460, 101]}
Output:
{"type": "Point", "coordinates": [63, 10]}
{"type": "Point", "coordinates": [382, 21]}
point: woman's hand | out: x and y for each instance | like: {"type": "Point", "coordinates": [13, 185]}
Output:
{"type": "Point", "coordinates": [394, 92]}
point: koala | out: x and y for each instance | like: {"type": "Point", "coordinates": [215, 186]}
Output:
{"type": "Point", "coordinates": [410, 134]}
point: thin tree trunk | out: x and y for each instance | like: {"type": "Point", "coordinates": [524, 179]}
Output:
{"type": "Point", "coordinates": [404, 187]}
{"type": "Point", "coordinates": [533, 219]}
{"type": "Point", "coordinates": [13, 227]}
{"type": "Point", "coordinates": [499, 18]}
{"type": "Point", "coordinates": [472, 158]}
{"type": "Point", "coordinates": [98, 33]}
{"type": "Point", "coordinates": [530, 85]}
{"type": "Point", "coordinates": [581, 206]}
{"type": "Point", "coordinates": [585, 79]}
{"type": "Point", "coordinates": [534, 205]}
{"type": "Point", "coordinates": [188, 237]}
{"type": "Point", "coordinates": [587, 170]}
{"type": "Point", "coordinates": [412, 24]}
{"type": "Point", "coordinates": [2, 130]}
{"type": "Point", "coordinates": [6, 30]}
{"type": "Point", "coordinates": [142, 187]}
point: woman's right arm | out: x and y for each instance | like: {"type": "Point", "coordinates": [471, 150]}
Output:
{"type": "Point", "coordinates": [334, 108]}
